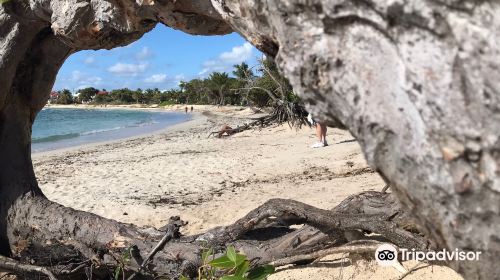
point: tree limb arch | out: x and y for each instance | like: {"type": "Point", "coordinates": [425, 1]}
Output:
{"type": "Point", "coordinates": [416, 83]}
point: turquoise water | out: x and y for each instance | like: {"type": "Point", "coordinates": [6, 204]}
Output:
{"type": "Point", "coordinates": [61, 128]}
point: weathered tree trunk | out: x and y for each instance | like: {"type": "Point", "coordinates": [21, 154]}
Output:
{"type": "Point", "coordinates": [415, 81]}
{"type": "Point", "coordinates": [51, 235]}
{"type": "Point", "coordinates": [30, 59]}
{"type": "Point", "coordinates": [35, 39]}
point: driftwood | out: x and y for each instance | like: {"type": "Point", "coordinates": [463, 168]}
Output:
{"type": "Point", "coordinates": [228, 131]}
{"type": "Point", "coordinates": [70, 248]}
{"type": "Point", "coordinates": [284, 112]}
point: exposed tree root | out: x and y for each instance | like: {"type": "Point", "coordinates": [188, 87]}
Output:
{"type": "Point", "coordinates": [75, 244]}
{"type": "Point", "coordinates": [19, 268]}
{"type": "Point", "coordinates": [285, 112]}
{"type": "Point", "coordinates": [358, 247]}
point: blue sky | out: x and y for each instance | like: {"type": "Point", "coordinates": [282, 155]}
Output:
{"type": "Point", "coordinates": [160, 59]}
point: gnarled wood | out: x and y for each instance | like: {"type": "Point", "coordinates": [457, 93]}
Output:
{"type": "Point", "coordinates": [52, 235]}
{"type": "Point", "coordinates": [35, 39]}
{"type": "Point", "coordinates": [415, 81]}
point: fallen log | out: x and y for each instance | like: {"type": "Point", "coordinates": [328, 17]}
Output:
{"type": "Point", "coordinates": [75, 244]}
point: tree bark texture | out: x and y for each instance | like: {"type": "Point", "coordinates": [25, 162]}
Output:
{"type": "Point", "coordinates": [35, 39]}
{"type": "Point", "coordinates": [62, 239]}
{"type": "Point", "coordinates": [415, 81]}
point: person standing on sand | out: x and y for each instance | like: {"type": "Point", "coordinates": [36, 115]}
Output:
{"type": "Point", "coordinates": [186, 109]}
{"type": "Point", "coordinates": [191, 109]}
{"type": "Point", "coordinates": [320, 133]}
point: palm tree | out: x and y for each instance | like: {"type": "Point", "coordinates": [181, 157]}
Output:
{"type": "Point", "coordinates": [243, 72]}
{"type": "Point", "coordinates": [196, 90]}
{"type": "Point", "coordinates": [182, 85]}
{"type": "Point", "coordinates": [251, 88]}
{"type": "Point", "coordinates": [220, 84]}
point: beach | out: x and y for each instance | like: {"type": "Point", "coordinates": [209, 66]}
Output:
{"type": "Point", "coordinates": [68, 126]}
{"type": "Point", "coordinates": [209, 182]}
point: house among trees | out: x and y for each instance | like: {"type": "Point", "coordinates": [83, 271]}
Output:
{"type": "Point", "coordinates": [61, 97]}
{"type": "Point", "coordinates": [53, 97]}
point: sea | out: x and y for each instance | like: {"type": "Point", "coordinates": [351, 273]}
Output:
{"type": "Point", "coordinates": [57, 128]}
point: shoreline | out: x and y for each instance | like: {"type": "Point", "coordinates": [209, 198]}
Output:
{"type": "Point", "coordinates": [195, 116]}
{"type": "Point", "coordinates": [173, 107]}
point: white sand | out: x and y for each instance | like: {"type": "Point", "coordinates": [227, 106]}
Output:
{"type": "Point", "coordinates": [211, 182]}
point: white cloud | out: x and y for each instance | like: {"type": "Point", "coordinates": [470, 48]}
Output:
{"type": "Point", "coordinates": [210, 66]}
{"type": "Point", "coordinates": [226, 60]}
{"type": "Point", "coordinates": [156, 79]}
{"type": "Point", "coordinates": [128, 69]}
{"type": "Point", "coordinates": [144, 54]}
{"type": "Point", "coordinates": [83, 80]}
{"type": "Point", "coordinates": [238, 54]}
{"type": "Point", "coordinates": [89, 60]}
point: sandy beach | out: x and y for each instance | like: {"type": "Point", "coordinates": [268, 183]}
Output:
{"type": "Point", "coordinates": [211, 182]}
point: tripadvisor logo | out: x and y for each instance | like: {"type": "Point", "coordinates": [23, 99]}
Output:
{"type": "Point", "coordinates": [387, 255]}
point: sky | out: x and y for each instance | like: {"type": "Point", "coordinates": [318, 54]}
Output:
{"type": "Point", "coordinates": [160, 59]}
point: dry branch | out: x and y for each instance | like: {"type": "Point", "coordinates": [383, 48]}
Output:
{"type": "Point", "coordinates": [285, 112]}
{"type": "Point", "coordinates": [172, 230]}
{"type": "Point", "coordinates": [20, 268]}
{"type": "Point", "coordinates": [385, 188]}
{"type": "Point", "coordinates": [367, 246]}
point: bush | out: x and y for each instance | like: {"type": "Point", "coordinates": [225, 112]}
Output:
{"type": "Point", "coordinates": [167, 103]}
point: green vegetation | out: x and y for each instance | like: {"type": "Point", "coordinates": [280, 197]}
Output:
{"type": "Point", "coordinates": [87, 94]}
{"type": "Point", "coordinates": [123, 262]}
{"type": "Point", "coordinates": [261, 88]}
{"type": "Point", "coordinates": [64, 97]}
{"type": "Point", "coordinates": [230, 266]}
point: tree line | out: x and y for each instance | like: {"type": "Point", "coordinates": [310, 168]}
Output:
{"type": "Point", "coordinates": [259, 87]}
